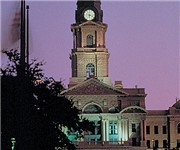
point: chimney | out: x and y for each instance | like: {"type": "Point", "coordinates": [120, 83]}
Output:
{"type": "Point", "coordinates": [118, 85]}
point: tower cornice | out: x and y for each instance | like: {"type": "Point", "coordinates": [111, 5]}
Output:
{"type": "Point", "coordinates": [89, 23]}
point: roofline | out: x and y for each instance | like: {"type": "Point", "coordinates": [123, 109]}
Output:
{"type": "Point", "coordinates": [108, 86]}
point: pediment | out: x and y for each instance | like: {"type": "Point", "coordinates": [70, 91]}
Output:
{"type": "Point", "coordinates": [93, 87]}
{"type": "Point", "coordinates": [92, 23]}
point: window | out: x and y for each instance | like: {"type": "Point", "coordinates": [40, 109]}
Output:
{"type": "Point", "coordinates": [148, 143]}
{"type": "Point", "coordinates": [89, 41]}
{"type": "Point", "coordinates": [164, 143]}
{"type": "Point", "coordinates": [134, 143]}
{"type": "Point", "coordinates": [90, 69]}
{"type": "Point", "coordinates": [147, 129]}
{"type": "Point", "coordinates": [178, 143]}
{"type": "Point", "coordinates": [155, 129]}
{"type": "Point", "coordinates": [92, 108]}
{"type": "Point", "coordinates": [96, 130]}
{"type": "Point", "coordinates": [133, 127]}
{"type": "Point", "coordinates": [178, 128]}
{"type": "Point", "coordinates": [156, 143]}
{"type": "Point", "coordinates": [113, 127]}
{"type": "Point", "coordinates": [164, 129]}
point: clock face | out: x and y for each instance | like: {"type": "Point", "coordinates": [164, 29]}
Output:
{"type": "Point", "coordinates": [89, 14]}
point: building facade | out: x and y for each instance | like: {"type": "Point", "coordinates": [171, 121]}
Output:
{"type": "Point", "coordinates": [120, 115]}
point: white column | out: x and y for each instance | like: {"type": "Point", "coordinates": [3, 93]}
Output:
{"type": "Point", "coordinates": [97, 38]}
{"type": "Point", "coordinates": [107, 130]}
{"type": "Point", "coordinates": [103, 130]}
{"type": "Point", "coordinates": [125, 129]}
{"type": "Point", "coordinates": [119, 131]}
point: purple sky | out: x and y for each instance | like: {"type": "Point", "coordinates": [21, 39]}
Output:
{"type": "Point", "coordinates": [142, 39]}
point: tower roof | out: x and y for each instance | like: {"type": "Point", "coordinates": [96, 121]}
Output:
{"type": "Point", "coordinates": [94, 5]}
{"type": "Point", "coordinates": [85, 3]}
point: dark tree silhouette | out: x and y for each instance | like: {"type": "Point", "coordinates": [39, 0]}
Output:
{"type": "Point", "coordinates": [33, 111]}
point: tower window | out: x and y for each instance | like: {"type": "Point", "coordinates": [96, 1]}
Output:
{"type": "Point", "coordinates": [90, 69]}
{"type": "Point", "coordinates": [89, 41]}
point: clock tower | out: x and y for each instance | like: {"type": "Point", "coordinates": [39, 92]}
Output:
{"type": "Point", "coordinates": [89, 55]}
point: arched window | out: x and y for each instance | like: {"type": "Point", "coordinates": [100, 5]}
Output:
{"type": "Point", "coordinates": [89, 41]}
{"type": "Point", "coordinates": [90, 70]}
{"type": "Point", "coordinates": [92, 108]}
{"type": "Point", "coordinates": [178, 128]}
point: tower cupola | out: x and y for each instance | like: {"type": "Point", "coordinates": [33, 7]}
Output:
{"type": "Point", "coordinates": [89, 10]}
{"type": "Point", "coordinates": [89, 55]}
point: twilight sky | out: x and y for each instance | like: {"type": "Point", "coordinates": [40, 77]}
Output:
{"type": "Point", "coordinates": [142, 39]}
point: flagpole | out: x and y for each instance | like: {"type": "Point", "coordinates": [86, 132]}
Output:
{"type": "Point", "coordinates": [27, 36]}
{"type": "Point", "coordinates": [22, 39]}
{"type": "Point", "coordinates": [22, 102]}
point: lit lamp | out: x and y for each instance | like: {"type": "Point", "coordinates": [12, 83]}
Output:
{"type": "Point", "coordinates": [38, 81]}
{"type": "Point", "coordinates": [13, 141]}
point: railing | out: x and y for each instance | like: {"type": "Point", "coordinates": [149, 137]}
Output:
{"type": "Point", "coordinates": [100, 144]}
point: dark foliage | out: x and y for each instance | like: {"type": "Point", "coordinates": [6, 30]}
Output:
{"type": "Point", "coordinates": [33, 112]}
